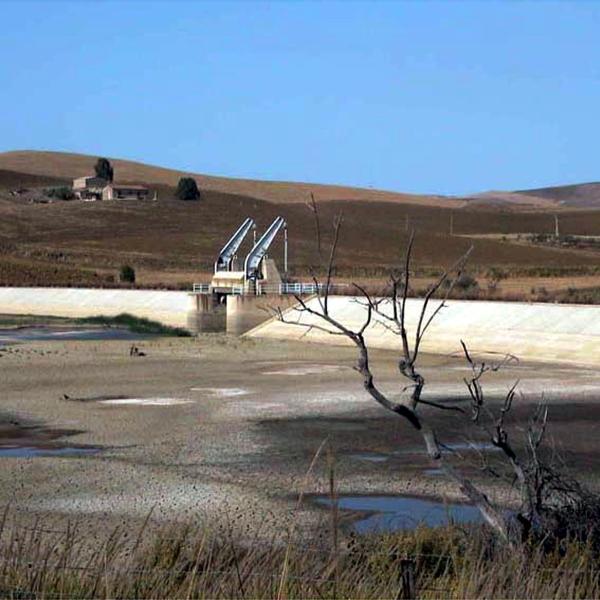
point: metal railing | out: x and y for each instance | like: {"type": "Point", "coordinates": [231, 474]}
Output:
{"type": "Point", "coordinates": [287, 288]}
{"type": "Point", "coordinates": [282, 289]}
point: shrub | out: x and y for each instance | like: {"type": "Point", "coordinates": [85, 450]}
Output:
{"type": "Point", "coordinates": [62, 193]}
{"type": "Point", "coordinates": [136, 324]}
{"type": "Point", "coordinates": [127, 274]}
{"type": "Point", "coordinates": [495, 276]}
{"type": "Point", "coordinates": [466, 283]}
{"type": "Point", "coordinates": [187, 189]}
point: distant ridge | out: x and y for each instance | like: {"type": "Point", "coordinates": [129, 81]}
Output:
{"type": "Point", "coordinates": [580, 195]}
{"type": "Point", "coordinates": [584, 195]}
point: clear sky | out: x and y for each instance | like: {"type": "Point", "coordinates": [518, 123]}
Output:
{"type": "Point", "coordinates": [448, 97]}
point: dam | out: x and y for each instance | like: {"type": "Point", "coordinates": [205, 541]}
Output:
{"type": "Point", "coordinates": [563, 334]}
{"type": "Point", "coordinates": [244, 294]}
{"type": "Point", "coordinates": [552, 333]}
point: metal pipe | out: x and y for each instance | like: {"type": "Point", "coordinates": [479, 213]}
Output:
{"type": "Point", "coordinates": [259, 251]}
{"type": "Point", "coordinates": [226, 256]}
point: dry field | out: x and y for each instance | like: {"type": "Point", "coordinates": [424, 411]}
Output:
{"type": "Point", "coordinates": [196, 469]}
{"type": "Point", "coordinates": [172, 243]}
{"type": "Point", "coordinates": [216, 425]}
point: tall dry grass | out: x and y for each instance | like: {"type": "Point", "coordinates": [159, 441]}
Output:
{"type": "Point", "coordinates": [186, 562]}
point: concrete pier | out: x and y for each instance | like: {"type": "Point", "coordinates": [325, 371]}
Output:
{"type": "Point", "coordinates": [207, 314]}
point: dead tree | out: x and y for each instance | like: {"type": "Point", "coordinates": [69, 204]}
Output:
{"type": "Point", "coordinates": [541, 487]}
{"type": "Point", "coordinates": [390, 312]}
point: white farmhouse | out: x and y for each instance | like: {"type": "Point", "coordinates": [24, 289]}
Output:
{"type": "Point", "coordinates": [98, 188]}
{"type": "Point", "coordinates": [89, 188]}
{"type": "Point", "coordinates": [114, 191]}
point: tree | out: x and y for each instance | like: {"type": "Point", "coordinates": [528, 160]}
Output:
{"type": "Point", "coordinates": [127, 274]}
{"type": "Point", "coordinates": [104, 169]}
{"type": "Point", "coordinates": [549, 499]}
{"type": "Point", "coordinates": [187, 189]}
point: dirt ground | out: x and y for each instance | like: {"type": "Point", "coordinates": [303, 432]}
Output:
{"type": "Point", "coordinates": [209, 427]}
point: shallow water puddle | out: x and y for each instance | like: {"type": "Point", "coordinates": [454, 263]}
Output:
{"type": "Point", "coordinates": [40, 334]}
{"type": "Point", "coordinates": [33, 451]}
{"type": "Point", "coordinates": [393, 513]}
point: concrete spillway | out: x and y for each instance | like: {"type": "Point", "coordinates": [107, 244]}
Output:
{"type": "Point", "coordinates": [540, 332]}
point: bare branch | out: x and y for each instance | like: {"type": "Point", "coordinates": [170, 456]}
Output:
{"type": "Point", "coordinates": [312, 205]}
{"type": "Point", "coordinates": [337, 225]}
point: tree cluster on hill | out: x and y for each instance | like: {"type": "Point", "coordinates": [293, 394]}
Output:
{"type": "Point", "coordinates": [104, 169]}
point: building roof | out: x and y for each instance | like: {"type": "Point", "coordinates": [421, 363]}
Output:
{"type": "Point", "coordinates": [83, 182]}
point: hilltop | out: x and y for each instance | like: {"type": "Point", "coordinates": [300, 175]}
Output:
{"type": "Point", "coordinates": [31, 167]}
{"type": "Point", "coordinates": [579, 195]}
{"type": "Point", "coordinates": [65, 166]}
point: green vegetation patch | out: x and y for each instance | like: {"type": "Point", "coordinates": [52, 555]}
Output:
{"type": "Point", "coordinates": [135, 324]}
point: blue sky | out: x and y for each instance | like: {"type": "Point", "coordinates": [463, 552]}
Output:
{"type": "Point", "coordinates": [448, 97]}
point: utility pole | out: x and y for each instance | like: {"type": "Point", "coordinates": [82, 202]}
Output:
{"type": "Point", "coordinates": [556, 230]}
{"type": "Point", "coordinates": [451, 222]}
{"type": "Point", "coordinates": [285, 250]}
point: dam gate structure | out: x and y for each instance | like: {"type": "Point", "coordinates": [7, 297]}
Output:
{"type": "Point", "coordinates": [240, 293]}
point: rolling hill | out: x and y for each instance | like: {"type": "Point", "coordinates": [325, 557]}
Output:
{"type": "Point", "coordinates": [62, 165]}
{"type": "Point", "coordinates": [580, 195]}
{"type": "Point", "coordinates": [584, 195]}
{"type": "Point", "coordinates": [174, 243]}
{"type": "Point", "coordinates": [17, 179]}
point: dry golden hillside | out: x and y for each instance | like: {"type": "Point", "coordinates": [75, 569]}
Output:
{"type": "Point", "coordinates": [170, 242]}
{"type": "Point", "coordinates": [65, 165]}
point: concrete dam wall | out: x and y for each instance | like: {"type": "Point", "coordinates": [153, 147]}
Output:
{"type": "Point", "coordinates": [568, 334]}
{"type": "Point", "coordinates": [170, 308]}
{"type": "Point", "coordinates": [195, 312]}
